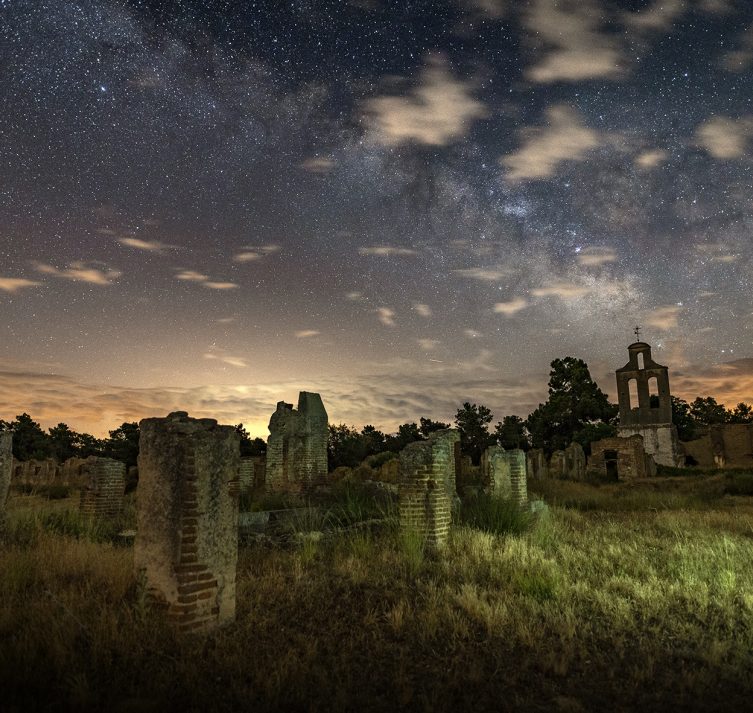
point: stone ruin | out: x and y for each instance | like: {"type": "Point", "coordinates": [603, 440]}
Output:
{"type": "Point", "coordinates": [6, 468]}
{"type": "Point", "coordinates": [536, 464]}
{"type": "Point", "coordinates": [104, 487]}
{"type": "Point", "coordinates": [568, 464]}
{"type": "Point", "coordinates": [187, 512]}
{"type": "Point", "coordinates": [620, 459]}
{"type": "Point", "coordinates": [297, 445]}
{"type": "Point", "coordinates": [36, 473]}
{"type": "Point", "coordinates": [427, 487]}
{"type": "Point", "coordinates": [503, 474]}
{"type": "Point", "coordinates": [251, 474]}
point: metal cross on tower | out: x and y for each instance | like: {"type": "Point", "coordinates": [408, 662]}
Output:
{"type": "Point", "coordinates": [637, 332]}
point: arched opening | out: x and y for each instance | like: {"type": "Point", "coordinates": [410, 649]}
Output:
{"type": "Point", "coordinates": [641, 363]}
{"type": "Point", "coordinates": [653, 392]}
{"type": "Point", "coordinates": [633, 392]}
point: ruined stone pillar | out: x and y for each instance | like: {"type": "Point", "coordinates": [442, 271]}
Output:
{"type": "Point", "coordinates": [504, 474]}
{"type": "Point", "coordinates": [427, 487]}
{"type": "Point", "coordinates": [311, 468]}
{"type": "Point", "coordinates": [103, 490]}
{"type": "Point", "coordinates": [187, 511]}
{"type": "Point", "coordinates": [6, 469]}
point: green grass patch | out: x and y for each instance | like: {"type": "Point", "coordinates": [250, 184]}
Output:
{"type": "Point", "coordinates": [494, 515]}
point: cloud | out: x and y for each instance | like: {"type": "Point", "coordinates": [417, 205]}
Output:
{"type": "Point", "coordinates": [239, 362]}
{"type": "Point", "coordinates": [576, 48]}
{"type": "Point", "coordinates": [14, 284]}
{"type": "Point", "coordinates": [204, 281]}
{"type": "Point", "coordinates": [651, 158]}
{"type": "Point", "coordinates": [437, 112]}
{"type": "Point", "coordinates": [154, 246]}
{"type": "Point", "coordinates": [562, 290]}
{"type": "Point", "coordinates": [386, 316]}
{"type": "Point", "coordinates": [487, 274]}
{"type": "Point", "coordinates": [729, 382]}
{"type": "Point", "coordinates": [494, 9]}
{"type": "Point", "coordinates": [717, 252]}
{"type": "Point", "coordinates": [249, 254]}
{"type": "Point", "coordinates": [385, 251]}
{"type": "Point", "coordinates": [723, 137]}
{"type": "Point", "coordinates": [318, 164]}
{"type": "Point", "coordinates": [428, 344]}
{"type": "Point", "coordinates": [306, 333]}
{"type": "Point", "coordinates": [355, 297]}
{"type": "Point", "coordinates": [659, 16]}
{"type": "Point", "coordinates": [596, 257]}
{"type": "Point", "coordinates": [664, 318]}
{"type": "Point", "coordinates": [740, 59]}
{"type": "Point", "coordinates": [565, 138]}
{"type": "Point", "coordinates": [422, 310]}
{"type": "Point", "coordinates": [191, 276]}
{"type": "Point", "coordinates": [82, 272]}
{"type": "Point", "coordinates": [510, 308]}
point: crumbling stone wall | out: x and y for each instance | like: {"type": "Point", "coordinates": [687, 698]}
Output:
{"type": "Point", "coordinates": [728, 445]}
{"type": "Point", "coordinates": [35, 473]}
{"type": "Point", "coordinates": [536, 465]}
{"type": "Point", "coordinates": [251, 473]}
{"type": "Point", "coordinates": [427, 486]}
{"type": "Point", "coordinates": [102, 494]}
{"type": "Point", "coordinates": [297, 446]}
{"type": "Point", "coordinates": [6, 469]}
{"type": "Point", "coordinates": [504, 474]}
{"type": "Point", "coordinates": [620, 458]}
{"type": "Point", "coordinates": [568, 464]}
{"type": "Point", "coordinates": [187, 511]}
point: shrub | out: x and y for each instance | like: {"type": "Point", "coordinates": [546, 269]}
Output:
{"type": "Point", "coordinates": [495, 515]}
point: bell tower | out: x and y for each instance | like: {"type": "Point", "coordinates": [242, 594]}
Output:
{"type": "Point", "coordinates": [645, 403]}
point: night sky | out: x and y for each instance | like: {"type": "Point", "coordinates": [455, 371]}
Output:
{"type": "Point", "coordinates": [400, 204]}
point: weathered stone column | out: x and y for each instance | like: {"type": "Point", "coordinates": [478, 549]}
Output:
{"type": "Point", "coordinates": [504, 474]}
{"type": "Point", "coordinates": [187, 510]}
{"type": "Point", "coordinates": [427, 487]}
{"type": "Point", "coordinates": [6, 469]}
{"type": "Point", "coordinates": [103, 490]}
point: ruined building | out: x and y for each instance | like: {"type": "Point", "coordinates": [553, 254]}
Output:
{"type": "Point", "coordinates": [6, 468]}
{"type": "Point", "coordinates": [503, 474]}
{"type": "Point", "coordinates": [187, 513]}
{"type": "Point", "coordinates": [297, 445]}
{"type": "Point", "coordinates": [427, 487]}
{"type": "Point", "coordinates": [645, 405]}
{"type": "Point", "coordinates": [618, 458]}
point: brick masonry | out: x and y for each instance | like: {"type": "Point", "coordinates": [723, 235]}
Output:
{"type": "Point", "coordinates": [6, 469]}
{"type": "Point", "coordinates": [504, 474]}
{"type": "Point", "coordinates": [187, 510]}
{"type": "Point", "coordinates": [104, 487]}
{"type": "Point", "coordinates": [620, 458]}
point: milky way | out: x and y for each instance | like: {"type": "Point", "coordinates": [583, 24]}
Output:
{"type": "Point", "coordinates": [403, 205]}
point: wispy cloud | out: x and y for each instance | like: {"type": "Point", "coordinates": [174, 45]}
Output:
{"type": "Point", "coordinates": [204, 281]}
{"type": "Point", "coordinates": [14, 284]}
{"type": "Point", "coordinates": [651, 158]}
{"type": "Point", "coordinates": [306, 333]}
{"type": "Point", "coordinates": [596, 257]}
{"type": "Point", "coordinates": [386, 316]}
{"type": "Point", "coordinates": [191, 276]}
{"type": "Point", "coordinates": [152, 246]}
{"type": "Point", "coordinates": [82, 272]}
{"type": "Point", "coordinates": [428, 344]}
{"type": "Point", "coordinates": [250, 254]}
{"type": "Point", "coordinates": [564, 138]}
{"type": "Point", "coordinates": [487, 274]}
{"type": "Point", "coordinates": [422, 310]}
{"type": "Point", "coordinates": [664, 317]}
{"type": "Point", "coordinates": [318, 164]}
{"type": "Point", "coordinates": [385, 251]}
{"type": "Point", "coordinates": [229, 359]}
{"type": "Point", "coordinates": [512, 307]}
{"type": "Point", "coordinates": [437, 112]}
{"type": "Point", "coordinates": [562, 290]}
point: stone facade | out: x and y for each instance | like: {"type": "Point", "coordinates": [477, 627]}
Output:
{"type": "Point", "coordinates": [651, 416]}
{"type": "Point", "coordinates": [620, 459]}
{"type": "Point", "coordinates": [427, 486]}
{"type": "Point", "coordinates": [102, 495]}
{"type": "Point", "coordinates": [34, 473]}
{"type": "Point", "coordinates": [187, 512]}
{"type": "Point", "coordinates": [6, 469]}
{"type": "Point", "coordinates": [504, 474]}
{"type": "Point", "coordinates": [728, 445]}
{"type": "Point", "coordinates": [252, 473]}
{"type": "Point", "coordinates": [297, 445]}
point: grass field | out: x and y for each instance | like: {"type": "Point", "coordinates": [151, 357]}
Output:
{"type": "Point", "coordinates": [619, 598]}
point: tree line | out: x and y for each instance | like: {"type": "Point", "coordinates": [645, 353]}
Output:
{"type": "Point", "coordinates": [576, 410]}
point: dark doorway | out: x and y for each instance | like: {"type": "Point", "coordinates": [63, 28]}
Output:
{"type": "Point", "coordinates": [610, 460]}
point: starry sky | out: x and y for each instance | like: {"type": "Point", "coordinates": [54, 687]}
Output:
{"type": "Point", "coordinates": [401, 204]}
